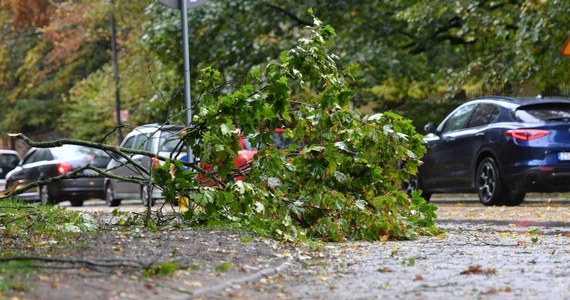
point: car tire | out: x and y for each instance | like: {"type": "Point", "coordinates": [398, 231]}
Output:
{"type": "Point", "coordinates": [414, 184]}
{"type": "Point", "coordinates": [110, 199]}
{"type": "Point", "coordinates": [44, 195]}
{"type": "Point", "coordinates": [76, 202]}
{"type": "Point", "coordinates": [146, 195]}
{"type": "Point", "coordinates": [490, 188]}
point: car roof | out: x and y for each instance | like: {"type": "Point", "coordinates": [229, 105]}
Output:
{"type": "Point", "coordinates": [515, 103]}
{"type": "Point", "coordinates": [155, 127]}
{"type": "Point", "coordinates": [525, 100]}
{"type": "Point", "coordinates": [9, 151]}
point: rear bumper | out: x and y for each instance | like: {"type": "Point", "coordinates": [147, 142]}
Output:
{"type": "Point", "coordinates": [539, 180]}
{"type": "Point", "coordinates": [79, 188]}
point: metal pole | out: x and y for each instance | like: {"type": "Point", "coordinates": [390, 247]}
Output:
{"type": "Point", "coordinates": [185, 47]}
{"type": "Point", "coordinates": [116, 74]}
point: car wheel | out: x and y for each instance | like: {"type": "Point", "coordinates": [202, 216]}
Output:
{"type": "Point", "coordinates": [146, 195]}
{"type": "Point", "coordinates": [110, 199]}
{"type": "Point", "coordinates": [488, 183]}
{"type": "Point", "coordinates": [413, 184]}
{"type": "Point", "coordinates": [76, 202]}
{"type": "Point", "coordinates": [45, 198]}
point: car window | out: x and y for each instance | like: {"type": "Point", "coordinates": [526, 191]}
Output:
{"type": "Point", "coordinates": [459, 118]}
{"type": "Point", "coordinates": [37, 155]}
{"type": "Point", "coordinates": [142, 142]}
{"type": "Point", "coordinates": [543, 112]}
{"type": "Point", "coordinates": [484, 114]}
{"type": "Point", "coordinates": [8, 160]}
{"type": "Point", "coordinates": [129, 142]}
{"type": "Point", "coordinates": [280, 141]}
{"type": "Point", "coordinates": [78, 152]}
{"type": "Point", "coordinates": [170, 142]}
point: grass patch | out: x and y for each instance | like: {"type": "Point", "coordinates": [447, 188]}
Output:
{"type": "Point", "coordinates": [28, 229]}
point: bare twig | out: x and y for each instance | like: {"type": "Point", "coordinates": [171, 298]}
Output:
{"type": "Point", "coordinates": [79, 263]}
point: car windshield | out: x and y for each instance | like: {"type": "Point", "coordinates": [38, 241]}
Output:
{"type": "Point", "coordinates": [543, 112]}
{"type": "Point", "coordinates": [78, 152]}
{"type": "Point", "coordinates": [277, 139]}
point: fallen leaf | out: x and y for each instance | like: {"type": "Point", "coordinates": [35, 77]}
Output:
{"type": "Point", "coordinates": [492, 291]}
{"type": "Point", "coordinates": [419, 277]}
{"type": "Point", "coordinates": [478, 269]}
{"type": "Point", "coordinates": [474, 269]}
{"type": "Point", "coordinates": [232, 294]}
{"type": "Point", "coordinates": [193, 283]}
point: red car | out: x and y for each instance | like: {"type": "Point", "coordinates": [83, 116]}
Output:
{"type": "Point", "coordinates": [245, 155]}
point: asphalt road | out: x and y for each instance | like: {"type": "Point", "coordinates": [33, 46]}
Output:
{"type": "Point", "coordinates": [520, 252]}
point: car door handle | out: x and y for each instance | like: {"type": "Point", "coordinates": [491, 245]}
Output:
{"type": "Point", "coordinates": [480, 134]}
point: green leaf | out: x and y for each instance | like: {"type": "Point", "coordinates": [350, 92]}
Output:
{"type": "Point", "coordinates": [227, 128]}
{"type": "Point", "coordinates": [223, 267]}
{"type": "Point", "coordinates": [361, 204]}
{"type": "Point", "coordinates": [167, 268]}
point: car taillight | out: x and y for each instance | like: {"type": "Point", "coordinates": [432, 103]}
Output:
{"type": "Point", "coordinates": [527, 134]}
{"type": "Point", "coordinates": [63, 168]}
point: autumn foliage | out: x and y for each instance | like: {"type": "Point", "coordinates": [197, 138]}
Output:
{"type": "Point", "coordinates": [29, 13]}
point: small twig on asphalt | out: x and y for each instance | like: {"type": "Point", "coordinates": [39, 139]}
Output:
{"type": "Point", "coordinates": [78, 263]}
{"type": "Point", "coordinates": [481, 241]}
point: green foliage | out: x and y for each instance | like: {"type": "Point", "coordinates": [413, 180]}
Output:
{"type": "Point", "coordinates": [223, 267]}
{"type": "Point", "coordinates": [164, 269]}
{"type": "Point", "coordinates": [21, 220]}
{"type": "Point", "coordinates": [14, 276]}
{"type": "Point", "coordinates": [27, 227]}
{"type": "Point", "coordinates": [407, 50]}
{"type": "Point", "coordinates": [167, 268]}
{"type": "Point", "coordinates": [344, 182]}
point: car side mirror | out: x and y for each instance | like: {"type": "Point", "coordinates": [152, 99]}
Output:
{"type": "Point", "coordinates": [430, 128]}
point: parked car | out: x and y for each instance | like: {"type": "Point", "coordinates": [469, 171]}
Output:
{"type": "Point", "coordinates": [164, 140]}
{"type": "Point", "coordinates": [8, 161]}
{"type": "Point", "coordinates": [500, 148]}
{"type": "Point", "coordinates": [245, 155]}
{"type": "Point", "coordinates": [44, 163]}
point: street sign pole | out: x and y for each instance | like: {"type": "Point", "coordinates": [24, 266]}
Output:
{"type": "Point", "coordinates": [186, 52]}
{"type": "Point", "coordinates": [184, 6]}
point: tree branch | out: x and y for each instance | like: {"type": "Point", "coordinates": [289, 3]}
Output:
{"type": "Point", "coordinates": [291, 15]}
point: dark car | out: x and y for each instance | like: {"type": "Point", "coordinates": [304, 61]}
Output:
{"type": "Point", "coordinates": [43, 163]}
{"type": "Point", "coordinates": [499, 148]}
{"type": "Point", "coordinates": [8, 161]}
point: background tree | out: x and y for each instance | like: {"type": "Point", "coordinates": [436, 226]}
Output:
{"type": "Point", "coordinates": [414, 56]}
